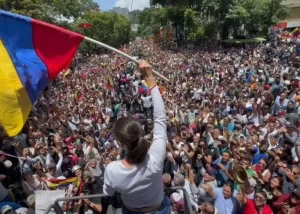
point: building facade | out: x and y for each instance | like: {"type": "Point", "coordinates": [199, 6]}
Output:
{"type": "Point", "coordinates": [121, 11]}
{"type": "Point", "coordinates": [293, 20]}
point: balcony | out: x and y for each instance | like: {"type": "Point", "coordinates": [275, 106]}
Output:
{"type": "Point", "coordinates": [291, 3]}
{"type": "Point", "coordinates": [57, 209]}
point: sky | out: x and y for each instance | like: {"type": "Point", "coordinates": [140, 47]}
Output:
{"type": "Point", "coordinates": [136, 4]}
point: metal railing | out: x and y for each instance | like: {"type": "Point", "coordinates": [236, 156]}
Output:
{"type": "Point", "coordinates": [58, 210]}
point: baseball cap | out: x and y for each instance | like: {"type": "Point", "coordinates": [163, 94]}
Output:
{"type": "Point", "coordinates": [93, 160]}
{"type": "Point", "coordinates": [51, 165]}
{"type": "Point", "coordinates": [289, 125]}
{"type": "Point", "coordinates": [222, 138]}
{"type": "Point", "coordinates": [5, 208]}
{"type": "Point", "coordinates": [75, 168]}
{"type": "Point", "coordinates": [7, 164]}
{"type": "Point", "coordinates": [27, 171]}
{"type": "Point", "coordinates": [30, 200]}
{"type": "Point", "coordinates": [178, 199]}
{"type": "Point", "coordinates": [211, 171]}
{"type": "Point", "coordinates": [271, 120]}
{"type": "Point", "coordinates": [249, 108]}
{"type": "Point", "coordinates": [281, 113]}
{"type": "Point", "coordinates": [21, 210]}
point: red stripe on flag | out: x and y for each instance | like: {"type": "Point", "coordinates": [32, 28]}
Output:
{"type": "Point", "coordinates": [55, 46]}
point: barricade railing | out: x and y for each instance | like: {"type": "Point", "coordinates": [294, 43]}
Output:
{"type": "Point", "coordinates": [58, 210]}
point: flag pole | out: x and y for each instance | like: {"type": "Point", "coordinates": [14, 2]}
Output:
{"type": "Point", "coordinates": [123, 54]}
{"type": "Point", "coordinates": [8, 155]}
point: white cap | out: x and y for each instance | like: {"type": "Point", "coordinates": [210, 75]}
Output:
{"type": "Point", "coordinates": [176, 197]}
{"type": "Point", "coordinates": [21, 210]}
{"type": "Point", "coordinates": [287, 82]}
{"type": "Point", "coordinates": [75, 168]}
{"type": "Point", "coordinates": [61, 177]}
{"type": "Point", "coordinates": [222, 138]}
{"type": "Point", "coordinates": [5, 208]}
{"type": "Point", "coordinates": [7, 164]}
{"type": "Point", "coordinates": [30, 199]}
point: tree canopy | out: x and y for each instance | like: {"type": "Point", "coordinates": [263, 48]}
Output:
{"type": "Point", "coordinates": [227, 16]}
{"type": "Point", "coordinates": [152, 19]}
{"type": "Point", "coordinates": [50, 10]}
{"type": "Point", "coordinates": [109, 28]}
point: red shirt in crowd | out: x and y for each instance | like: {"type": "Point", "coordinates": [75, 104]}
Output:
{"type": "Point", "coordinates": [249, 208]}
{"type": "Point", "coordinates": [284, 199]}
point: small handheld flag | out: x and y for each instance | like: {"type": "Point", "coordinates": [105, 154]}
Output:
{"type": "Point", "coordinates": [110, 84]}
{"type": "Point", "coordinates": [67, 73]}
{"type": "Point", "coordinates": [58, 183]}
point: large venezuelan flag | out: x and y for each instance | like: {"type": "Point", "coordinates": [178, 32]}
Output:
{"type": "Point", "coordinates": [31, 54]}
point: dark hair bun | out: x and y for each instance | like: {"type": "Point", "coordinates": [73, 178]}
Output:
{"type": "Point", "coordinates": [128, 131]}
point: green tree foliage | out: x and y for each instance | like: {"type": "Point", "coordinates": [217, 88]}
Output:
{"type": "Point", "coordinates": [257, 15]}
{"type": "Point", "coordinates": [211, 29]}
{"type": "Point", "coordinates": [193, 25]}
{"type": "Point", "coordinates": [109, 28]}
{"type": "Point", "coordinates": [50, 10]}
{"type": "Point", "coordinates": [228, 15]}
{"type": "Point", "coordinates": [152, 19]}
{"type": "Point", "coordinates": [38, 9]}
{"type": "Point", "coordinates": [176, 15]}
{"type": "Point", "coordinates": [134, 16]}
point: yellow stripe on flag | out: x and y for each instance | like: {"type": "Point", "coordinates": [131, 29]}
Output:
{"type": "Point", "coordinates": [15, 104]}
{"type": "Point", "coordinates": [145, 83]}
{"type": "Point", "coordinates": [111, 82]}
{"type": "Point", "coordinates": [63, 182]}
{"type": "Point", "coordinates": [295, 30]}
{"type": "Point", "coordinates": [67, 73]}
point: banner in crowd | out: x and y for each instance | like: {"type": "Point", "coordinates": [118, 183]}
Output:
{"type": "Point", "coordinates": [44, 198]}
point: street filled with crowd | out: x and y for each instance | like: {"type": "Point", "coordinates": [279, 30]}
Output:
{"type": "Point", "coordinates": [225, 107]}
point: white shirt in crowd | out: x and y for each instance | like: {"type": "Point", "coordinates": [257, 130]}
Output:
{"type": "Point", "coordinates": [135, 88]}
{"type": "Point", "coordinates": [147, 101]}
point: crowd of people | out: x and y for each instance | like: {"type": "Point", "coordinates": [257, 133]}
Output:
{"type": "Point", "coordinates": [224, 107]}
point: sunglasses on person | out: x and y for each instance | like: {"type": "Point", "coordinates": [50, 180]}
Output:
{"type": "Point", "coordinates": [262, 164]}
{"type": "Point", "coordinates": [259, 198]}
